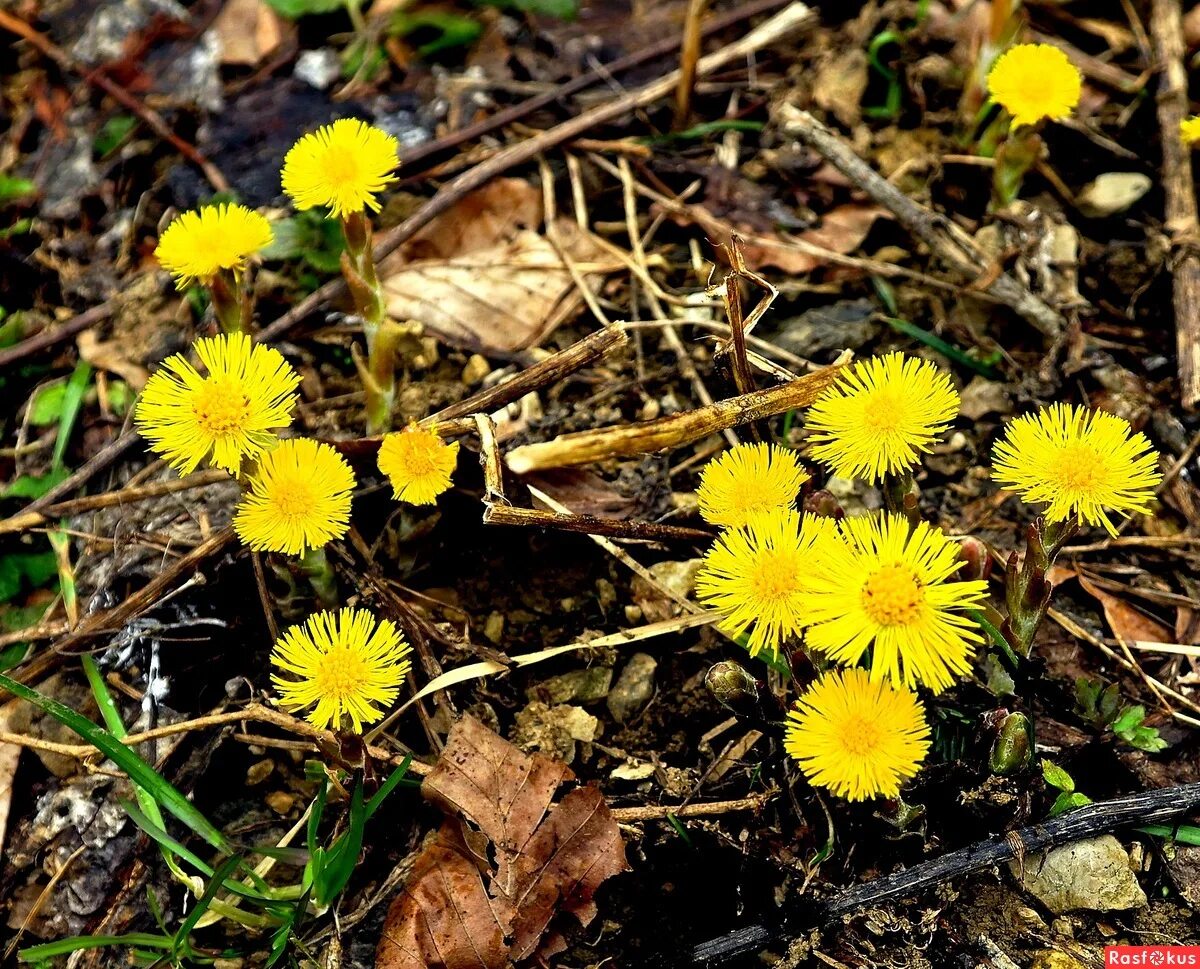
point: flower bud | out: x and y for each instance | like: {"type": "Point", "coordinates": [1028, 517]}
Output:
{"type": "Point", "coordinates": [733, 687]}
{"type": "Point", "coordinates": [1013, 747]}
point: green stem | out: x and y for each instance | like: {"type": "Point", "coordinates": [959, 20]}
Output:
{"type": "Point", "coordinates": [230, 302]}
{"type": "Point", "coordinates": [379, 375]}
{"type": "Point", "coordinates": [1026, 588]}
{"type": "Point", "coordinates": [316, 567]}
{"type": "Point", "coordinates": [901, 496]}
{"type": "Point", "coordinates": [1017, 154]}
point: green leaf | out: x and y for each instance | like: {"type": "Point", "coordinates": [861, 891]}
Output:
{"type": "Point", "coordinates": [1184, 834]}
{"type": "Point", "coordinates": [394, 778]}
{"type": "Point", "coordinates": [33, 486]}
{"type": "Point", "coordinates": [62, 947]}
{"type": "Point", "coordinates": [141, 773]}
{"type": "Point", "coordinates": [116, 129]}
{"type": "Point", "coordinates": [295, 9]}
{"type": "Point", "coordinates": [1066, 802]}
{"type": "Point", "coordinates": [19, 570]}
{"type": "Point", "coordinates": [1144, 738]}
{"type": "Point", "coordinates": [949, 350]}
{"type": "Point", "coordinates": [1130, 718]}
{"type": "Point", "coordinates": [210, 892]}
{"type": "Point", "coordinates": [1057, 777]}
{"type": "Point", "coordinates": [72, 400]}
{"type": "Point", "coordinates": [450, 29]}
{"type": "Point", "coordinates": [12, 188]}
{"type": "Point", "coordinates": [47, 404]}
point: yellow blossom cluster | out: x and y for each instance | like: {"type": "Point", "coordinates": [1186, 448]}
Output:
{"type": "Point", "coordinates": [880, 595]}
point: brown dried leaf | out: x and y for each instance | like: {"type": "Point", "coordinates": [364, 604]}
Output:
{"type": "Point", "coordinates": [486, 218]}
{"type": "Point", "coordinates": [502, 298]}
{"type": "Point", "coordinates": [548, 858]}
{"type": "Point", "coordinates": [840, 84]}
{"type": "Point", "coordinates": [248, 31]}
{"type": "Point", "coordinates": [1126, 622]}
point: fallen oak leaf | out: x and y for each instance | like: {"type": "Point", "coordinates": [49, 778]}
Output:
{"type": "Point", "coordinates": [1127, 623]}
{"type": "Point", "coordinates": [549, 858]}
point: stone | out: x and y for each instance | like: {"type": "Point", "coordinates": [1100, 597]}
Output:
{"type": "Point", "coordinates": [583, 686]}
{"type": "Point", "coordinates": [634, 687]}
{"type": "Point", "coordinates": [1092, 874]}
{"type": "Point", "coordinates": [1111, 193]}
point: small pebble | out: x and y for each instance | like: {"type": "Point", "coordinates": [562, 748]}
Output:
{"type": "Point", "coordinates": [634, 687]}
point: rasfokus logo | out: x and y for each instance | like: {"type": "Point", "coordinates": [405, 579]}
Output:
{"type": "Point", "coordinates": [1152, 956]}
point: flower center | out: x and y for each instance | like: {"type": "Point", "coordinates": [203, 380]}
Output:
{"type": "Point", "coordinates": [773, 576]}
{"type": "Point", "coordinates": [341, 167]}
{"type": "Point", "coordinates": [1076, 468]}
{"type": "Point", "coordinates": [860, 736]}
{"type": "Point", "coordinates": [884, 412]}
{"type": "Point", "coordinates": [892, 596]}
{"type": "Point", "coordinates": [418, 462]}
{"type": "Point", "coordinates": [221, 407]}
{"type": "Point", "coordinates": [340, 672]}
{"type": "Point", "coordinates": [292, 497]}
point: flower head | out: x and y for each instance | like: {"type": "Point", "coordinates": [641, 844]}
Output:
{"type": "Point", "coordinates": [754, 576]}
{"type": "Point", "coordinates": [879, 584]}
{"type": "Point", "coordinates": [1035, 81]}
{"type": "Point", "coordinates": [299, 499]}
{"type": "Point", "coordinates": [1189, 130]}
{"type": "Point", "coordinates": [418, 463]}
{"type": "Point", "coordinates": [856, 736]}
{"type": "Point", "coordinates": [1081, 462]}
{"type": "Point", "coordinates": [198, 244]}
{"type": "Point", "coordinates": [344, 664]}
{"type": "Point", "coordinates": [341, 166]}
{"type": "Point", "coordinates": [748, 479]}
{"type": "Point", "coordinates": [228, 415]}
{"type": "Point", "coordinates": [880, 416]}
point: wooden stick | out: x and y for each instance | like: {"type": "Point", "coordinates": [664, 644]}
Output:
{"type": "Point", "coordinates": [946, 239]}
{"type": "Point", "coordinates": [1170, 50]}
{"type": "Point", "coordinates": [497, 514]}
{"type": "Point", "coordinates": [674, 431]}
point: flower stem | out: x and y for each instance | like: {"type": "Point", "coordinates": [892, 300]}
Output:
{"type": "Point", "coordinates": [1016, 155]}
{"type": "Point", "coordinates": [230, 302]}
{"type": "Point", "coordinates": [1026, 588]}
{"type": "Point", "coordinates": [317, 569]}
{"type": "Point", "coordinates": [379, 374]}
{"type": "Point", "coordinates": [901, 496]}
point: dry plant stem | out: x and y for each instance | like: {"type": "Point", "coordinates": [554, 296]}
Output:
{"type": "Point", "coordinates": [675, 431]}
{"type": "Point", "coordinates": [654, 812]}
{"type": "Point", "coordinates": [793, 19]}
{"type": "Point", "coordinates": [743, 378]}
{"type": "Point", "coordinates": [1170, 49]}
{"type": "Point", "coordinates": [57, 334]}
{"type": "Point", "coordinates": [1026, 589]}
{"type": "Point", "coordinates": [97, 78]}
{"type": "Point", "coordinates": [67, 509]}
{"type": "Point", "coordinates": [495, 514]}
{"type": "Point", "coordinates": [941, 235]}
{"type": "Point", "coordinates": [689, 53]}
{"type": "Point", "coordinates": [134, 605]}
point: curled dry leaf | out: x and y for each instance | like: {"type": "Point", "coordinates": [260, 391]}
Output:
{"type": "Point", "coordinates": [458, 910]}
{"type": "Point", "coordinates": [1127, 623]}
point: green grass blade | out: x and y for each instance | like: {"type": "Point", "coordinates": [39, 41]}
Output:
{"type": "Point", "coordinates": [62, 947]}
{"type": "Point", "coordinates": [141, 773]}
{"type": "Point", "coordinates": [388, 786]}
{"type": "Point", "coordinates": [72, 401]}
{"type": "Point", "coordinates": [949, 350]}
{"type": "Point", "coordinates": [219, 878]}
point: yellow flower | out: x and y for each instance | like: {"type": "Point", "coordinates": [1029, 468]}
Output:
{"type": "Point", "coordinates": [197, 245]}
{"type": "Point", "coordinates": [418, 463]}
{"type": "Point", "coordinates": [299, 499]}
{"type": "Point", "coordinates": [753, 576]}
{"type": "Point", "coordinates": [231, 414]}
{"type": "Point", "coordinates": [1189, 130]}
{"type": "Point", "coordinates": [748, 479]}
{"type": "Point", "coordinates": [347, 664]}
{"type": "Point", "coordinates": [1035, 81]}
{"type": "Point", "coordinates": [856, 736]}
{"type": "Point", "coordinates": [880, 416]}
{"type": "Point", "coordinates": [340, 166]}
{"type": "Point", "coordinates": [1081, 462]}
{"type": "Point", "coordinates": [877, 583]}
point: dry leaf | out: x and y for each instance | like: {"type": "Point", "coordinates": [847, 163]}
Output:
{"type": "Point", "coordinates": [110, 356]}
{"type": "Point", "coordinates": [248, 31]}
{"type": "Point", "coordinates": [840, 84]}
{"type": "Point", "coordinates": [503, 298]}
{"type": "Point", "coordinates": [492, 215]}
{"type": "Point", "coordinates": [1126, 622]}
{"type": "Point", "coordinates": [548, 859]}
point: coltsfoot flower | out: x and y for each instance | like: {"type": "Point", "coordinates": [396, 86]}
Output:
{"type": "Point", "coordinates": [880, 416]}
{"type": "Point", "coordinates": [746, 480]}
{"type": "Point", "coordinates": [341, 166]}
{"type": "Point", "coordinates": [1189, 130]}
{"type": "Point", "coordinates": [299, 499]}
{"type": "Point", "coordinates": [341, 665]}
{"type": "Point", "coordinates": [1035, 81]}
{"type": "Point", "coordinates": [199, 244]}
{"type": "Point", "coordinates": [418, 463]}
{"type": "Point", "coordinates": [879, 584]}
{"type": "Point", "coordinates": [1079, 462]}
{"type": "Point", "coordinates": [754, 575]}
{"type": "Point", "coordinates": [856, 736]}
{"type": "Point", "coordinates": [228, 415]}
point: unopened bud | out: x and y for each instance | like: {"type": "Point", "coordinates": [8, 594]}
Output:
{"type": "Point", "coordinates": [1013, 747]}
{"type": "Point", "coordinates": [733, 687]}
{"type": "Point", "coordinates": [977, 561]}
{"type": "Point", "coordinates": [824, 504]}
